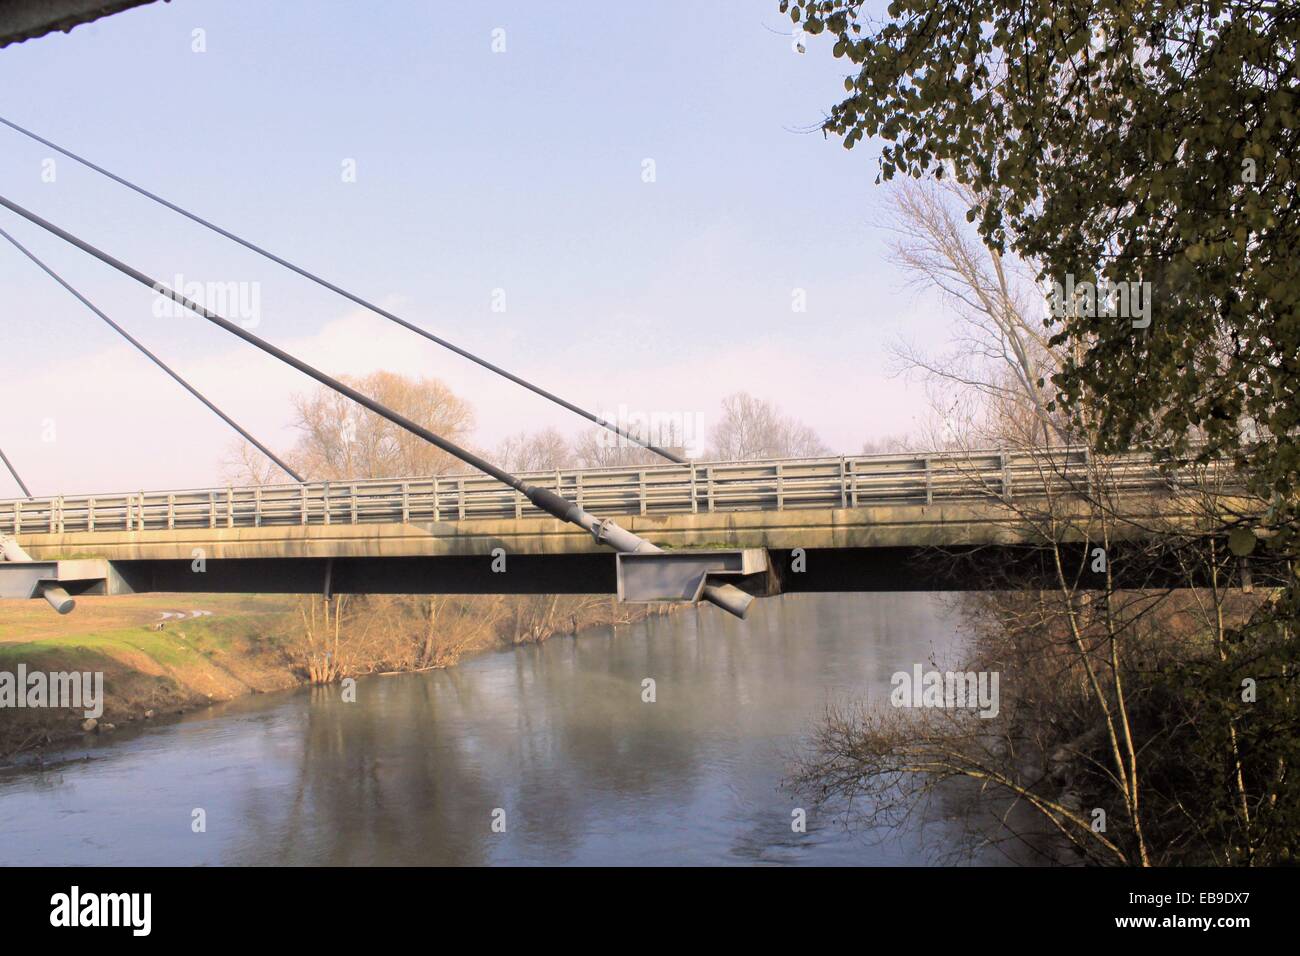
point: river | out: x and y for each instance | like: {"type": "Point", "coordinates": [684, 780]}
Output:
{"type": "Point", "coordinates": [554, 743]}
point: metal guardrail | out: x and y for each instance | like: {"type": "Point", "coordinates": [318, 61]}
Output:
{"type": "Point", "coordinates": [843, 482]}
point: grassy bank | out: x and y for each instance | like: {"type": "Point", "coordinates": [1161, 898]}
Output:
{"type": "Point", "coordinates": [157, 655]}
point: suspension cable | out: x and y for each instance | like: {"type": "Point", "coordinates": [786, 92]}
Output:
{"type": "Point", "coordinates": [14, 472]}
{"type": "Point", "coordinates": [550, 396]}
{"type": "Point", "coordinates": [328, 380]}
{"type": "Point", "coordinates": [153, 358]}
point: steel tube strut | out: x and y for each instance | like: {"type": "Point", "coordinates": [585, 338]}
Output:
{"type": "Point", "coordinates": [325, 283]}
{"type": "Point", "coordinates": [153, 358]}
{"type": "Point", "coordinates": [58, 598]}
{"type": "Point", "coordinates": [604, 531]}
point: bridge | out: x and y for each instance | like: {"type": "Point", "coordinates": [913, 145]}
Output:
{"type": "Point", "coordinates": [722, 532]}
{"type": "Point", "coordinates": [850, 523]}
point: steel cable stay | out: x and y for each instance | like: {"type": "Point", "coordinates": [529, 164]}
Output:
{"type": "Point", "coordinates": [352, 297]}
{"type": "Point", "coordinates": [605, 531]}
{"type": "Point", "coordinates": [13, 471]}
{"type": "Point", "coordinates": [153, 358]}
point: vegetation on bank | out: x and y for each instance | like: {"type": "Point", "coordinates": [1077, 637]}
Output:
{"type": "Point", "coordinates": [363, 634]}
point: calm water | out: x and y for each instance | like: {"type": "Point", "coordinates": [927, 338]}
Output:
{"type": "Point", "coordinates": [557, 736]}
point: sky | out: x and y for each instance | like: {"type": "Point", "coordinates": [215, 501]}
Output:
{"type": "Point", "coordinates": [625, 208]}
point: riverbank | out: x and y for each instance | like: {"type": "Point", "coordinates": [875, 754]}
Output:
{"type": "Point", "coordinates": [160, 655]}
{"type": "Point", "coordinates": [163, 655]}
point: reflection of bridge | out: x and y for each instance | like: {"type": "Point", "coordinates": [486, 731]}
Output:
{"type": "Point", "coordinates": [861, 522]}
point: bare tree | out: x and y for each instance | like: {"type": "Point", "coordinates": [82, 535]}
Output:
{"type": "Point", "coordinates": [752, 428]}
{"type": "Point", "coordinates": [546, 450]}
{"type": "Point", "coordinates": [890, 445]}
{"type": "Point", "coordinates": [322, 646]}
{"type": "Point", "coordinates": [244, 464]}
{"type": "Point", "coordinates": [1000, 349]}
{"type": "Point", "coordinates": [340, 440]}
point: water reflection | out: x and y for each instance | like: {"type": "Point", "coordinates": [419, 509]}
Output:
{"type": "Point", "coordinates": [557, 736]}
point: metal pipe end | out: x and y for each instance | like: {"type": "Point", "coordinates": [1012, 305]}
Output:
{"type": "Point", "coordinates": [728, 597]}
{"type": "Point", "coordinates": [59, 599]}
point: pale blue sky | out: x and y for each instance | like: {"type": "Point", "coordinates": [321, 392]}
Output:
{"type": "Point", "coordinates": [476, 170]}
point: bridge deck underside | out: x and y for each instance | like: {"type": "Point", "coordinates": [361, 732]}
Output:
{"type": "Point", "coordinates": [998, 567]}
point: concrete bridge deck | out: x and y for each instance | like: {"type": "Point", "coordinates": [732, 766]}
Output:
{"type": "Point", "coordinates": [869, 518]}
{"type": "Point", "coordinates": [849, 501]}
